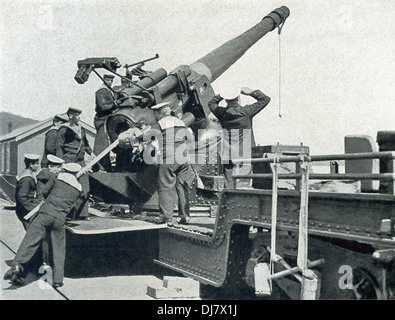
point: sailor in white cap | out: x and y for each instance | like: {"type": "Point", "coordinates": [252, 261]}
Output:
{"type": "Point", "coordinates": [237, 122]}
{"type": "Point", "coordinates": [50, 138]}
{"type": "Point", "coordinates": [43, 181]}
{"type": "Point", "coordinates": [61, 195]}
{"type": "Point", "coordinates": [175, 175]}
{"type": "Point", "coordinates": [25, 191]}
{"type": "Point", "coordinates": [45, 174]}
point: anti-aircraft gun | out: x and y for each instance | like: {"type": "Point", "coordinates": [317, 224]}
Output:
{"type": "Point", "coordinates": [187, 88]}
{"type": "Point", "coordinates": [304, 243]}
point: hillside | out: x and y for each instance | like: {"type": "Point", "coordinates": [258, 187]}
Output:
{"type": "Point", "coordinates": [8, 119]}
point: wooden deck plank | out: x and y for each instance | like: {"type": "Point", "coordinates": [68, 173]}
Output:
{"type": "Point", "coordinates": [101, 225]}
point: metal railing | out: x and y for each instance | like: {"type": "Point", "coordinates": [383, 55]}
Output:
{"type": "Point", "coordinates": [388, 155]}
{"type": "Point", "coordinates": [307, 277]}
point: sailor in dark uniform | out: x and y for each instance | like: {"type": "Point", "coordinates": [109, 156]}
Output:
{"type": "Point", "coordinates": [50, 138]}
{"type": "Point", "coordinates": [25, 191]}
{"type": "Point", "coordinates": [46, 174]}
{"type": "Point", "coordinates": [236, 119]}
{"type": "Point", "coordinates": [44, 177]}
{"type": "Point", "coordinates": [71, 146]}
{"type": "Point", "coordinates": [62, 193]}
{"type": "Point", "coordinates": [105, 105]}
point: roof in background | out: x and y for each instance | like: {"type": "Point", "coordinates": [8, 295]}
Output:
{"type": "Point", "coordinates": [23, 132]}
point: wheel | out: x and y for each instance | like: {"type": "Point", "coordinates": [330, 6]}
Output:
{"type": "Point", "coordinates": [364, 285]}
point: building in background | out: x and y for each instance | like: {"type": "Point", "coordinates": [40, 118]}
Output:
{"type": "Point", "coordinates": [28, 139]}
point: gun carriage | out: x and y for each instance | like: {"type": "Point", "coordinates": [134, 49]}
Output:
{"type": "Point", "coordinates": [312, 244]}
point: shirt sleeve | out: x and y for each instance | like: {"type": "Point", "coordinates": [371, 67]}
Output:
{"type": "Point", "coordinates": [59, 142]}
{"type": "Point", "coordinates": [87, 147]}
{"type": "Point", "coordinates": [104, 100]}
{"type": "Point", "coordinates": [262, 101]}
{"type": "Point", "coordinates": [23, 198]}
{"type": "Point", "coordinates": [214, 107]}
{"type": "Point", "coordinates": [48, 187]}
{"type": "Point", "coordinates": [50, 142]}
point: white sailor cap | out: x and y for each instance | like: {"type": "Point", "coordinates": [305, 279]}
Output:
{"type": "Point", "coordinates": [72, 167]}
{"type": "Point", "coordinates": [32, 156]}
{"type": "Point", "coordinates": [160, 105]}
{"type": "Point", "coordinates": [53, 159]}
{"type": "Point", "coordinates": [230, 93]}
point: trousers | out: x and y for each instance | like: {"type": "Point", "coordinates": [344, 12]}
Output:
{"type": "Point", "coordinates": [81, 205]}
{"type": "Point", "coordinates": [174, 182]}
{"type": "Point", "coordinates": [35, 235]}
{"type": "Point", "coordinates": [43, 254]}
{"type": "Point", "coordinates": [101, 142]}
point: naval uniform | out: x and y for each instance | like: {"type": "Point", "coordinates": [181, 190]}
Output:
{"type": "Point", "coordinates": [234, 118]}
{"type": "Point", "coordinates": [25, 195]}
{"type": "Point", "coordinates": [174, 177]}
{"type": "Point", "coordinates": [105, 104]}
{"type": "Point", "coordinates": [71, 145]}
{"type": "Point", "coordinates": [49, 145]}
{"type": "Point", "coordinates": [43, 177]}
{"type": "Point", "coordinates": [64, 190]}
{"type": "Point", "coordinates": [44, 182]}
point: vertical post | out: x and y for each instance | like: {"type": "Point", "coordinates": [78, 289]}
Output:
{"type": "Point", "coordinates": [385, 295]}
{"type": "Point", "coordinates": [334, 167]}
{"type": "Point", "coordinates": [235, 168]}
{"type": "Point", "coordinates": [274, 215]}
{"type": "Point", "coordinates": [310, 281]}
{"type": "Point", "coordinates": [303, 217]}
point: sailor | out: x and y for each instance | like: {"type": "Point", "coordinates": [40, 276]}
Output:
{"type": "Point", "coordinates": [71, 146]}
{"type": "Point", "coordinates": [237, 122]}
{"type": "Point", "coordinates": [175, 175]}
{"type": "Point", "coordinates": [50, 137]}
{"type": "Point", "coordinates": [46, 174]}
{"type": "Point", "coordinates": [25, 191]}
{"type": "Point", "coordinates": [44, 177]}
{"type": "Point", "coordinates": [62, 193]}
{"type": "Point", "coordinates": [105, 105]}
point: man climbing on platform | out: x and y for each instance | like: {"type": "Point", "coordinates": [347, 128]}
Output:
{"type": "Point", "coordinates": [62, 193]}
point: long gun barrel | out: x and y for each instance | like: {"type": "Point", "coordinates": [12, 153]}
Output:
{"type": "Point", "coordinates": [219, 60]}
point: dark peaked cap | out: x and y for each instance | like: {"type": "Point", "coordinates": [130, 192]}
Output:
{"type": "Point", "coordinates": [74, 110]}
{"type": "Point", "coordinates": [61, 117]}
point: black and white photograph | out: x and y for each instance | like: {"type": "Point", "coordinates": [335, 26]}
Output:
{"type": "Point", "coordinates": [196, 155]}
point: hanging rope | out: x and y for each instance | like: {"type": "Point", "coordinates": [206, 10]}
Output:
{"type": "Point", "coordinates": [279, 74]}
{"type": "Point", "coordinates": [280, 27]}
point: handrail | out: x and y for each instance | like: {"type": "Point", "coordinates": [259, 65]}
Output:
{"type": "Point", "coordinates": [346, 156]}
{"type": "Point", "coordinates": [321, 176]}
